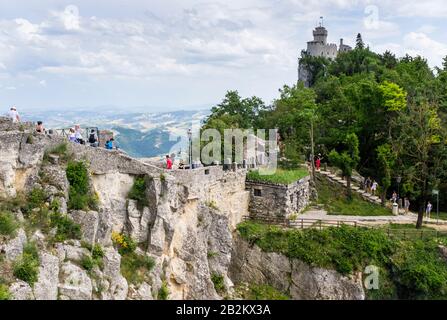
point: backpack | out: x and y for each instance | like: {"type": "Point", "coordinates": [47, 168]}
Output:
{"type": "Point", "coordinates": [92, 138]}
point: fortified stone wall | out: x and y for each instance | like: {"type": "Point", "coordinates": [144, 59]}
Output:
{"type": "Point", "coordinates": [277, 200]}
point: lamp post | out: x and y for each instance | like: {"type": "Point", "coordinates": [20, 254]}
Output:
{"type": "Point", "coordinates": [399, 180]}
{"type": "Point", "coordinates": [436, 193]}
{"type": "Point", "coordinates": [190, 148]}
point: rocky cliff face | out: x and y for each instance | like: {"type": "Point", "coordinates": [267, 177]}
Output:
{"type": "Point", "coordinates": [302, 282]}
{"type": "Point", "coordinates": [187, 228]}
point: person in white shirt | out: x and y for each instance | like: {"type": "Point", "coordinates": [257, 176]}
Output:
{"type": "Point", "coordinates": [14, 115]}
{"type": "Point", "coordinates": [374, 187]}
{"type": "Point", "coordinates": [78, 134]}
{"type": "Point", "coordinates": [428, 210]}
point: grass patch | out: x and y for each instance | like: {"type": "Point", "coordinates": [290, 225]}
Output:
{"type": "Point", "coordinates": [264, 292]}
{"type": "Point", "coordinates": [281, 176]}
{"type": "Point", "coordinates": [136, 268]}
{"type": "Point", "coordinates": [66, 228]}
{"type": "Point", "coordinates": [218, 281]}
{"type": "Point", "coordinates": [4, 292]}
{"type": "Point", "coordinates": [26, 267]}
{"type": "Point", "coordinates": [138, 192]}
{"type": "Point", "coordinates": [409, 268]}
{"type": "Point", "coordinates": [8, 224]}
{"type": "Point", "coordinates": [335, 202]}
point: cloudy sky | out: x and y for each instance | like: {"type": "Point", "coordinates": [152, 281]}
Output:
{"type": "Point", "coordinates": [185, 54]}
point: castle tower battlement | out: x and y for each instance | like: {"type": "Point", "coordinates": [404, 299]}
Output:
{"type": "Point", "coordinates": [319, 47]}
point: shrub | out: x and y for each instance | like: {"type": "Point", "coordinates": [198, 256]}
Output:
{"type": "Point", "coordinates": [36, 198]}
{"type": "Point", "coordinates": [124, 243]}
{"type": "Point", "coordinates": [421, 271]}
{"type": "Point", "coordinates": [80, 197]}
{"type": "Point", "coordinates": [163, 292]}
{"type": "Point", "coordinates": [97, 252]}
{"type": "Point", "coordinates": [8, 224]}
{"type": "Point", "coordinates": [29, 139]}
{"type": "Point", "coordinates": [26, 267]}
{"type": "Point", "coordinates": [135, 268]}
{"type": "Point", "coordinates": [66, 228]}
{"type": "Point", "coordinates": [138, 192]}
{"type": "Point", "coordinates": [87, 263]}
{"type": "Point", "coordinates": [77, 175]}
{"type": "Point", "coordinates": [4, 292]}
{"type": "Point", "coordinates": [218, 281]}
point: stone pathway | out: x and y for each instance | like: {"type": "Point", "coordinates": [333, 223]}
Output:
{"type": "Point", "coordinates": [411, 218]}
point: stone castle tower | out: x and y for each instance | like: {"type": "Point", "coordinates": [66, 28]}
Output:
{"type": "Point", "coordinates": [319, 47]}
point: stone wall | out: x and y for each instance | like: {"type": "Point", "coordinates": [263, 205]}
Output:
{"type": "Point", "coordinates": [276, 200]}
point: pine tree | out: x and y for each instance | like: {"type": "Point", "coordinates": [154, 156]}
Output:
{"type": "Point", "coordinates": [359, 42]}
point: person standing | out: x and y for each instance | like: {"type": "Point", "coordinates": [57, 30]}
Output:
{"type": "Point", "coordinates": [368, 185]}
{"type": "Point", "coordinates": [406, 205]}
{"type": "Point", "coordinates": [168, 162]}
{"type": "Point", "coordinates": [394, 197]}
{"type": "Point", "coordinates": [428, 210]}
{"type": "Point", "coordinates": [374, 187]}
{"type": "Point", "coordinates": [318, 163]}
{"type": "Point", "coordinates": [13, 115]}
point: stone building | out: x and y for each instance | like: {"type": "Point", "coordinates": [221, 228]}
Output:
{"type": "Point", "coordinates": [278, 200]}
{"type": "Point", "coordinates": [319, 47]}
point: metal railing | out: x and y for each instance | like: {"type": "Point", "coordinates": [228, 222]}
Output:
{"type": "Point", "coordinates": [319, 224]}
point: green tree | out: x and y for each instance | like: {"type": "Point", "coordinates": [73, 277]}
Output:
{"type": "Point", "coordinates": [387, 159]}
{"type": "Point", "coordinates": [420, 142]}
{"type": "Point", "coordinates": [347, 159]}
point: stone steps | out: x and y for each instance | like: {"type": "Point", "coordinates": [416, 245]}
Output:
{"type": "Point", "coordinates": [365, 195]}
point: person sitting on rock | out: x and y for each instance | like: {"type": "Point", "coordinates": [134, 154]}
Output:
{"type": "Point", "coordinates": [72, 136]}
{"type": "Point", "coordinates": [39, 127]}
{"type": "Point", "coordinates": [93, 138]}
{"type": "Point", "coordinates": [109, 144]}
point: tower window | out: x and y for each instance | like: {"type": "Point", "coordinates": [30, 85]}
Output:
{"type": "Point", "coordinates": [258, 193]}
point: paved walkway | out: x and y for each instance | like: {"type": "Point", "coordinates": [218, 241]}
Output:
{"type": "Point", "coordinates": [319, 214]}
{"type": "Point", "coordinates": [411, 218]}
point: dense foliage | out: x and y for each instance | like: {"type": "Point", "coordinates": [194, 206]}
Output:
{"type": "Point", "coordinates": [379, 114]}
{"type": "Point", "coordinates": [409, 269]}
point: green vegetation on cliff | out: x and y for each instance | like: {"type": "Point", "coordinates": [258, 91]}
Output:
{"type": "Point", "coordinates": [411, 269]}
{"type": "Point", "coordinates": [80, 195]}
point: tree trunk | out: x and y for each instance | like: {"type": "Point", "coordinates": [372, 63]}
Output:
{"type": "Point", "coordinates": [420, 214]}
{"type": "Point", "coordinates": [383, 198]}
{"type": "Point", "coordinates": [312, 155]}
{"type": "Point", "coordinates": [348, 185]}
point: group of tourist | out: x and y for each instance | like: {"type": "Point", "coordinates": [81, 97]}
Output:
{"type": "Point", "coordinates": [74, 134]}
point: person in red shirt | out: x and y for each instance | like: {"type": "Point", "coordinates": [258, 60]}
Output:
{"type": "Point", "coordinates": [318, 163]}
{"type": "Point", "coordinates": [168, 163]}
